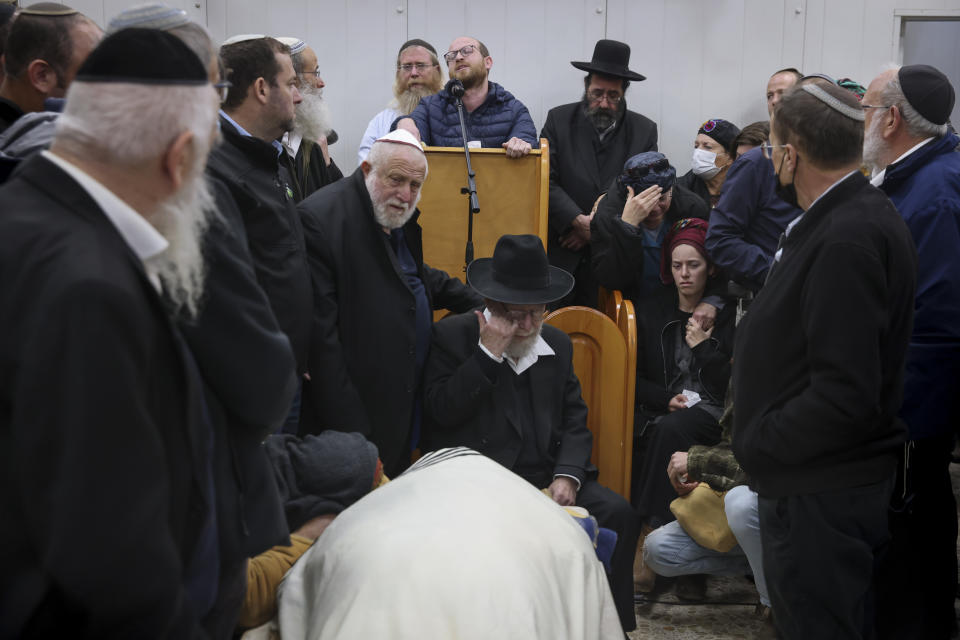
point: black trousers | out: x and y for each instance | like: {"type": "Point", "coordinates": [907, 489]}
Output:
{"type": "Point", "coordinates": [652, 492]}
{"type": "Point", "coordinates": [819, 554]}
{"type": "Point", "coordinates": [613, 512]}
{"type": "Point", "coordinates": [917, 575]}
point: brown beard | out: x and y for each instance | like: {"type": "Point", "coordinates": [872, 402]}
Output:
{"type": "Point", "coordinates": [410, 98]}
{"type": "Point", "coordinates": [472, 77]}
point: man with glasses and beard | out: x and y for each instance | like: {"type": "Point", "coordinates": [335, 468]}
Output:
{"type": "Point", "coordinates": [502, 383]}
{"type": "Point", "coordinates": [306, 143]}
{"type": "Point", "coordinates": [106, 503]}
{"type": "Point", "coordinates": [373, 301]}
{"type": "Point", "coordinates": [589, 142]}
{"type": "Point", "coordinates": [418, 76]}
{"type": "Point", "coordinates": [494, 118]}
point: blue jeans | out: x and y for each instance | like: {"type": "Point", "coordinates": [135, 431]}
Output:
{"type": "Point", "coordinates": [669, 551]}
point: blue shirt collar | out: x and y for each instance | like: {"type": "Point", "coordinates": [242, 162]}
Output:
{"type": "Point", "coordinates": [276, 144]}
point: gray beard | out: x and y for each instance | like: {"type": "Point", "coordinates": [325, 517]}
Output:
{"type": "Point", "coordinates": [519, 347]}
{"type": "Point", "coordinates": [873, 147]}
{"type": "Point", "coordinates": [408, 100]}
{"type": "Point", "coordinates": [601, 118]}
{"type": "Point", "coordinates": [386, 217]}
{"type": "Point", "coordinates": [183, 220]}
{"type": "Point", "coordinates": [312, 119]}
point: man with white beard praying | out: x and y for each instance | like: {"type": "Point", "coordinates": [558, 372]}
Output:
{"type": "Point", "coordinates": [418, 75]}
{"type": "Point", "coordinates": [373, 301]}
{"type": "Point", "coordinates": [106, 503]}
{"type": "Point", "coordinates": [306, 144]}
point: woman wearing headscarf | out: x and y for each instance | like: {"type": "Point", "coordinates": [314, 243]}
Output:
{"type": "Point", "coordinates": [714, 150]}
{"type": "Point", "coordinates": [632, 220]}
{"type": "Point", "coordinates": [682, 373]}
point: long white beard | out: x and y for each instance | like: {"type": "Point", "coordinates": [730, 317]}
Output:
{"type": "Point", "coordinates": [312, 116]}
{"type": "Point", "coordinates": [183, 219]}
{"type": "Point", "coordinates": [873, 147]}
{"type": "Point", "coordinates": [385, 216]}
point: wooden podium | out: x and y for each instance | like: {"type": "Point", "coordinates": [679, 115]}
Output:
{"type": "Point", "coordinates": [512, 194]}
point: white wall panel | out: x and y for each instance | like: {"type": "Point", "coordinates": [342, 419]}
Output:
{"type": "Point", "coordinates": [703, 58]}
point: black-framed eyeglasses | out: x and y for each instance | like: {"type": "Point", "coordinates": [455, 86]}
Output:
{"type": "Point", "coordinates": [636, 173]}
{"type": "Point", "coordinates": [223, 88]}
{"type": "Point", "coordinates": [450, 56]}
{"type": "Point", "coordinates": [767, 149]}
{"type": "Point", "coordinates": [612, 96]}
{"type": "Point", "coordinates": [421, 67]}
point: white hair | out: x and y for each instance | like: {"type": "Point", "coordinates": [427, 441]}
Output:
{"type": "Point", "coordinates": [917, 126]}
{"type": "Point", "coordinates": [380, 151]}
{"type": "Point", "coordinates": [125, 124]}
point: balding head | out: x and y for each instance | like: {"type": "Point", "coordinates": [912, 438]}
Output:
{"type": "Point", "coordinates": [395, 171]}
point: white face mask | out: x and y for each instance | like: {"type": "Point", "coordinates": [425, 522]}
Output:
{"type": "Point", "coordinates": [704, 164]}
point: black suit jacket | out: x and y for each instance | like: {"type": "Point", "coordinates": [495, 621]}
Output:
{"type": "Point", "coordinates": [464, 406]}
{"type": "Point", "coordinates": [582, 167]}
{"type": "Point", "coordinates": [363, 355]}
{"type": "Point", "coordinates": [102, 440]}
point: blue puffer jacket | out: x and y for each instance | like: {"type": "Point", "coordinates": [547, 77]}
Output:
{"type": "Point", "coordinates": [498, 119]}
{"type": "Point", "coordinates": [925, 187]}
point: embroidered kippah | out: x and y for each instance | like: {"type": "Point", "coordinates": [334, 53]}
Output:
{"type": "Point", "coordinates": [149, 16]}
{"type": "Point", "coordinates": [296, 45]}
{"type": "Point", "coordinates": [48, 9]}
{"type": "Point", "coordinates": [143, 56]}
{"type": "Point", "coordinates": [833, 102]}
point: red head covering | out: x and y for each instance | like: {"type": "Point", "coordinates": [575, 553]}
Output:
{"type": "Point", "coordinates": [692, 231]}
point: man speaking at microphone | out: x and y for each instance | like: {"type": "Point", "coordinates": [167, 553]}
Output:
{"type": "Point", "coordinates": [493, 117]}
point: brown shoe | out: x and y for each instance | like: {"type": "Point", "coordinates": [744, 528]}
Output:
{"type": "Point", "coordinates": [644, 578]}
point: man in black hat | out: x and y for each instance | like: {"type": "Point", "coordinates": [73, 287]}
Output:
{"type": "Point", "coordinates": [418, 75]}
{"type": "Point", "coordinates": [106, 503]}
{"type": "Point", "coordinates": [910, 151]}
{"type": "Point", "coordinates": [46, 45]}
{"type": "Point", "coordinates": [589, 142]}
{"type": "Point", "coordinates": [501, 382]}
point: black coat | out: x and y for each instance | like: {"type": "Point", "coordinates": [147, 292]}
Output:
{"type": "Point", "coordinates": [312, 172]}
{"type": "Point", "coordinates": [694, 184]}
{"type": "Point", "coordinates": [617, 248]}
{"type": "Point", "coordinates": [249, 371]}
{"type": "Point", "coordinates": [363, 355]}
{"type": "Point", "coordinates": [264, 192]}
{"type": "Point", "coordinates": [657, 321]}
{"type": "Point", "coordinates": [464, 407]}
{"type": "Point", "coordinates": [102, 439]}
{"type": "Point", "coordinates": [819, 358]}
{"type": "Point", "coordinates": [582, 167]}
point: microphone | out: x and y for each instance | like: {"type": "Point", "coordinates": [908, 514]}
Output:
{"type": "Point", "coordinates": [455, 88]}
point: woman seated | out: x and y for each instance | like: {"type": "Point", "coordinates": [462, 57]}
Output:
{"type": "Point", "coordinates": [631, 221]}
{"type": "Point", "coordinates": [714, 150]}
{"type": "Point", "coordinates": [682, 371]}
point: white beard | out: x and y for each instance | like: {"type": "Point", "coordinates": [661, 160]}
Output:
{"type": "Point", "coordinates": [383, 213]}
{"type": "Point", "coordinates": [873, 147]}
{"type": "Point", "coordinates": [182, 220]}
{"type": "Point", "coordinates": [312, 119]}
{"type": "Point", "coordinates": [519, 347]}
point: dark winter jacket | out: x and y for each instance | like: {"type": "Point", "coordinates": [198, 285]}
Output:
{"type": "Point", "coordinates": [925, 188]}
{"type": "Point", "coordinates": [498, 119]}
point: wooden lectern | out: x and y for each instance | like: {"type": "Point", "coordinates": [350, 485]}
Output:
{"type": "Point", "coordinates": [512, 194]}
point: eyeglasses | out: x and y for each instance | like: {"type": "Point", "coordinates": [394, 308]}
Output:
{"type": "Point", "coordinates": [223, 88]}
{"type": "Point", "coordinates": [519, 314]}
{"type": "Point", "coordinates": [450, 56]}
{"type": "Point", "coordinates": [421, 67]}
{"type": "Point", "coordinates": [767, 149]}
{"type": "Point", "coordinates": [639, 172]}
{"type": "Point", "coordinates": [613, 97]}
{"type": "Point", "coordinates": [875, 106]}
{"type": "Point", "coordinates": [313, 74]}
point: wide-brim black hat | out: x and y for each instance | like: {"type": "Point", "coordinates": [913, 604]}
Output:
{"type": "Point", "coordinates": [610, 58]}
{"type": "Point", "coordinates": [518, 273]}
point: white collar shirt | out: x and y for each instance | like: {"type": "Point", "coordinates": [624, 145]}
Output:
{"type": "Point", "coordinates": [540, 348]}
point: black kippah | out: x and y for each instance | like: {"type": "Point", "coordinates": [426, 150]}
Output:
{"type": "Point", "coordinates": [143, 56]}
{"type": "Point", "coordinates": [48, 9]}
{"type": "Point", "coordinates": [928, 91]}
{"type": "Point", "coordinates": [417, 42]}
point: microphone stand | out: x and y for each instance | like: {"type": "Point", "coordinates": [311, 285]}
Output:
{"type": "Point", "coordinates": [455, 89]}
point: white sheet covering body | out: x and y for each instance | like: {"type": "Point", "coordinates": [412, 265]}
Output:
{"type": "Point", "coordinates": [461, 549]}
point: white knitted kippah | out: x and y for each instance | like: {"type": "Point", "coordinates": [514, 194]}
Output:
{"type": "Point", "coordinates": [854, 113]}
{"type": "Point", "coordinates": [153, 15]}
{"type": "Point", "coordinates": [296, 44]}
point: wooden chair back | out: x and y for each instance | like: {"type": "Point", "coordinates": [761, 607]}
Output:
{"type": "Point", "coordinates": [607, 376]}
{"type": "Point", "coordinates": [610, 302]}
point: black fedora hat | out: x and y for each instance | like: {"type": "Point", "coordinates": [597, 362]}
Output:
{"type": "Point", "coordinates": [610, 58]}
{"type": "Point", "coordinates": [518, 273]}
